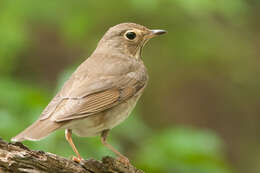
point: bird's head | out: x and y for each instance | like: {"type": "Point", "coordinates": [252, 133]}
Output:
{"type": "Point", "coordinates": [128, 38]}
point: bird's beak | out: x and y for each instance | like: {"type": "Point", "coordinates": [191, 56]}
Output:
{"type": "Point", "coordinates": [156, 32]}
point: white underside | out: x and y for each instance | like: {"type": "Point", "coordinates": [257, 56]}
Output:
{"type": "Point", "coordinates": [94, 124]}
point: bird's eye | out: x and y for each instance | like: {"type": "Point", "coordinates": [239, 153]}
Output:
{"type": "Point", "coordinates": [130, 35]}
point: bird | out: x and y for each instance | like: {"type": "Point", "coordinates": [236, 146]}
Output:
{"type": "Point", "coordinates": [101, 92]}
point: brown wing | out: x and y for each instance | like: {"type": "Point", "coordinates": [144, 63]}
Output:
{"type": "Point", "coordinates": [97, 84]}
{"type": "Point", "coordinates": [74, 90]}
{"type": "Point", "coordinates": [71, 108]}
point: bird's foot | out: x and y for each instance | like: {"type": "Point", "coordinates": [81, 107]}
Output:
{"type": "Point", "coordinates": [123, 160]}
{"type": "Point", "coordinates": [76, 159]}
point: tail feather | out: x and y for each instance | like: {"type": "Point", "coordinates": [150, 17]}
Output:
{"type": "Point", "coordinates": [37, 131]}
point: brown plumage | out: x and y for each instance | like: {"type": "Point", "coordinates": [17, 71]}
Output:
{"type": "Point", "coordinates": [102, 91]}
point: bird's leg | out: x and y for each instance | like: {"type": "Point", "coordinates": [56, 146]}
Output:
{"type": "Point", "coordinates": [121, 158]}
{"type": "Point", "coordinates": [68, 134]}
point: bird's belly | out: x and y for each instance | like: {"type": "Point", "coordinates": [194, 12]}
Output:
{"type": "Point", "coordinates": [94, 124]}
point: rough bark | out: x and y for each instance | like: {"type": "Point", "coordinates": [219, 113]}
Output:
{"type": "Point", "coordinates": [15, 157]}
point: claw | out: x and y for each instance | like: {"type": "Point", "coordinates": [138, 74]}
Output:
{"type": "Point", "coordinates": [123, 160]}
{"type": "Point", "coordinates": [76, 159]}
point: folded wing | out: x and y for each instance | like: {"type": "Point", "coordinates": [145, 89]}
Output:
{"type": "Point", "coordinates": [105, 97]}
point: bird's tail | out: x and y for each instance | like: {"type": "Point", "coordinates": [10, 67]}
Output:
{"type": "Point", "coordinates": [37, 131]}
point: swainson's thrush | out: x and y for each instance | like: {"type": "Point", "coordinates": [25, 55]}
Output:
{"type": "Point", "coordinates": [102, 92]}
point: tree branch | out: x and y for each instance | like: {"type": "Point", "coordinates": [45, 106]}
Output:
{"type": "Point", "coordinates": [15, 157]}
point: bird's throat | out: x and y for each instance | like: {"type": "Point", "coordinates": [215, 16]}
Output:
{"type": "Point", "coordinates": [138, 53]}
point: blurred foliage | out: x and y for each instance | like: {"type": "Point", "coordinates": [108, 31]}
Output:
{"type": "Point", "coordinates": [185, 150]}
{"type": "Point", "coordinates": [203, 73]}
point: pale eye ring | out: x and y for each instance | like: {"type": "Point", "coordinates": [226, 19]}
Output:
{"type": "Point", "coordinates": [130, 35]}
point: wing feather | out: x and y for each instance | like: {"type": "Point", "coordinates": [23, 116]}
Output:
{"type": "Point", "coordinates": [78, 108]}
{"type": "Point", "coordinates": [88, 93]}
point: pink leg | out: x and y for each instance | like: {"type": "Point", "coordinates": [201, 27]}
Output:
{"type": "Point", "coordinates": [68, 134]}
{"type": "Point", "coordinates": [122, 158]}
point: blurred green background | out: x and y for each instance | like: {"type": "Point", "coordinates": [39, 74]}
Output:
{"type": "Point", "coordinates": [200, 111]}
